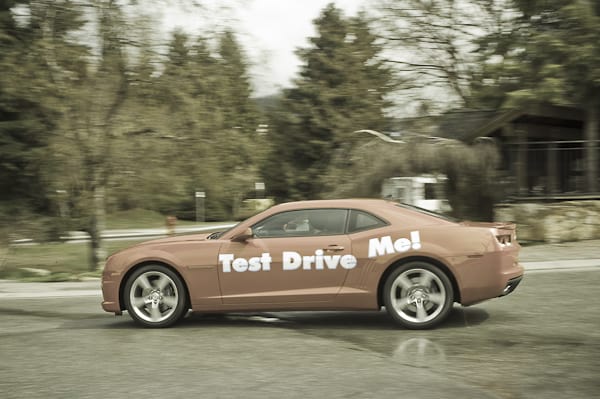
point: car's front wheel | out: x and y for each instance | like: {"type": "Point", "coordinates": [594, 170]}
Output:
{"type": "Point", "coordinates": [418, 295]}
{"type": "Point", "coordinates": [155, 296]}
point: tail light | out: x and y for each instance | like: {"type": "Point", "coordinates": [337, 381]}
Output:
{"type": "Point", "coordinates": [504, 239]}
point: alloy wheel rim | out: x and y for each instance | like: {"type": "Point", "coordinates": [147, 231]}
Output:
{"type": "Point", "coordinates": [154, 296]}
{"type": "Point", "coordinates": [418, 295]}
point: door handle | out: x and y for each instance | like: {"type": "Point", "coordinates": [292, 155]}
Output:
{"type": "Point", "coordinates": [333, 248]}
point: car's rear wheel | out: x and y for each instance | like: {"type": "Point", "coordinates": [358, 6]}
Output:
{"type": "Point", "coordinates": [155, 296]}
{"type": "Point", "coordinates": [418, 295]}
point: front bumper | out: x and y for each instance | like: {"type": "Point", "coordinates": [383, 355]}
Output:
{"type": "Point", "coordinates": [110, 293]}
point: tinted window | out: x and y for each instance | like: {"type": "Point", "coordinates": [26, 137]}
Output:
{"type": "Point", "coordinates": [306, 222]}
{"type": "Point", "coordinates": [429, 191]}
{"type": "Point", "coordinates": [360, 220]}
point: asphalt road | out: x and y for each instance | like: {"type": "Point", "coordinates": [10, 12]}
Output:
{"type": "Point", "coordinates": [542, 341]}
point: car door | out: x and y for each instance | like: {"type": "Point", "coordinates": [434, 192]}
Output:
{"type": "Point", "coordinates": [300, 256]}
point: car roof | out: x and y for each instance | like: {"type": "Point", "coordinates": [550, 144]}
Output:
{"type": "Point", "coordinates": [363, 203]}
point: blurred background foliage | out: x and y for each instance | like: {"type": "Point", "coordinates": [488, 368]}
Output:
{"type": "Point", "coordinates": [98, 114]}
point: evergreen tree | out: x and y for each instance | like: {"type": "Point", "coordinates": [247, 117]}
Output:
{"type": "Point", "coordinates": [20, 131]}
{"type": "Point", "coordinates": [343, 87]}
{"type": "Point", "coordinates": [206, 95]}
{"type": "Point", "coordinates": [237, 143]}
{"type": "Point", "coordinates": [239, 110]}
{"type": "Point", "coordinates": [37, 57]}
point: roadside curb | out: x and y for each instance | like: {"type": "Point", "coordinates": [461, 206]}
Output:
{"type": "Point", "coordinates": [51, 294]}
{"type": "Point", "coordinates": [10, 289]}
{"type": "Point", "coordinates": [561, 264]}
{"type": "Point", "coordinates": [76, 237]}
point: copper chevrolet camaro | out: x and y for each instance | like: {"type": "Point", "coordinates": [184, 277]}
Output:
{"type": "Point", "coordinates": [350, 254]}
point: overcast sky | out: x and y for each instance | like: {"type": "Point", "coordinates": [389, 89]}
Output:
{"type": "Point", "coordinates": [270, 31]}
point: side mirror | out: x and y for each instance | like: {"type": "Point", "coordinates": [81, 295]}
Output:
{"type": "Point", "coordinates": [243, 236]}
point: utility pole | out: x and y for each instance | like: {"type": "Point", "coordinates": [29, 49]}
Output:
{"type": "Point", "coordinates": [200, 209]}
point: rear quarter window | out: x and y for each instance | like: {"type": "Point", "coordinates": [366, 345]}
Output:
{"type": "Point", "coordinates": [361, 220]}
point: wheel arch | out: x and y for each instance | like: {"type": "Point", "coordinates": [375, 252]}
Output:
{"type": "Point", "coordinates": [146, 263]}
{"type": "Point", "coordinates": [393, 266]}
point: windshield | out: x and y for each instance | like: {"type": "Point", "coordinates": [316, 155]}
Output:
{"type": "Point", "coordinates": [427, 212]}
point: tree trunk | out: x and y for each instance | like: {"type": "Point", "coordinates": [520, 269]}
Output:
{"type": "Point", "coordinates": [592, 117]}
{"type": "Point", "coordinates": [97, 252]}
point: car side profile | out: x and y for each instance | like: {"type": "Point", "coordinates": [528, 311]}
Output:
{"type": "Point", "coordinates": [353, 254]}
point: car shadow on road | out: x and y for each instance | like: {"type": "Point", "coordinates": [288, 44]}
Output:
{"type": "Point", "coordinates": [459, 317]}
{"type": "Point", "coordinates": [361, 320]}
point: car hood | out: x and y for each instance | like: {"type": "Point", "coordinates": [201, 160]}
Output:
{"type": "Point", "coordinates": [168, 240]}
{"type": "Point", "coordinates": [182, 238]}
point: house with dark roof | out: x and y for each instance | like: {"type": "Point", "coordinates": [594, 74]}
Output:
{"type": "Point", "coordinates": [550, 166]}
{"type": "Point", "coordinates": [544, 151]}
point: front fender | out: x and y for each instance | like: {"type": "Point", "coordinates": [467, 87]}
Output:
{"type": "Point", "coordinates": [196, 264]}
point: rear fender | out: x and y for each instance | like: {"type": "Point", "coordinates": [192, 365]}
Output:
{"type": "Point", "coordinates": [421, 257]}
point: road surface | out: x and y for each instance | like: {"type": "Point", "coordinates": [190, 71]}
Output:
{"type": "Point", "coordinates": [542, 341]}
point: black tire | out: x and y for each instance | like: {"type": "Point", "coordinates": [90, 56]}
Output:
{"type": "Point", "coordinates": [155, 296]}
{"type": "Point", "coordinates": [418, 295]}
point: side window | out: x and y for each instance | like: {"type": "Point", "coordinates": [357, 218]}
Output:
{"type": "Point", "coordinates": [430, 191]}
{"type": "Point", "coordinates": [360, 220]}
{"type": "Point", "coordinates": [302, 223]}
